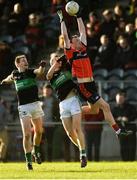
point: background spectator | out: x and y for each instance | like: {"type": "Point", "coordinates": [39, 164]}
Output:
{"type": "Point", "coordinates": [4, 118]}
{"type": "Point", "coordinates": [108, 25]}
{"type": "Point", "coordinates": [93, 33]}
{"type": "Point", "coordinates": [106, 51]}
{"type": "Point", "coordinates": [126, 56]}
{"type": "Point", "coordinates": [51, 110]}
{"type": "Point", "coordinates": [125, 115]}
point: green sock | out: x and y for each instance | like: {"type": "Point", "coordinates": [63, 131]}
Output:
{"type": "Point", "coordinates": [36, 149]}
{"type": "Point", "coordinates": [28, 157]}
{"type": "Point", "coordinates": [82, 153]}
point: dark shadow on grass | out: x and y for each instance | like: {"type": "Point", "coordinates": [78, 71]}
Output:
{"type": "Point", "coordinates": [76, 171]}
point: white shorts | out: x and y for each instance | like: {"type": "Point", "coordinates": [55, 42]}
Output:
{"type": "Point", "coordinates": [32, 110]}
{"type": "Point", "coordinates": [69, 107]}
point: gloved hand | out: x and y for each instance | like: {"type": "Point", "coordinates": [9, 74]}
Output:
{"type": "Point", "coordinates": [78, 15]}
{"type": "Point", "coordinates": [42, 63]}
{"type": "Point", "coordinates": [60, 14]}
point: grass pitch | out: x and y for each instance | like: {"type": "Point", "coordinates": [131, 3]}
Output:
{"type": "Point", "coordinates": [72, 170]}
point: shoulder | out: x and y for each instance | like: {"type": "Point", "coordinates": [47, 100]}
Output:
{"type": "Point", "coordinates": [15, 72]}
{"type": "Point", "coordinates": [31, 70]}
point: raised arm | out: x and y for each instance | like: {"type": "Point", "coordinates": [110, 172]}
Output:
{"type": "Point", "coordinates": [82, 30]}
{"type": "Point", "coordinates": [7, 80]}
{"type": "Point", "coordinates": [41, 70]}
{"type": "Point", "coordinates": [64, 30]}
{"type": "Point", "coordinates": [51, 71]}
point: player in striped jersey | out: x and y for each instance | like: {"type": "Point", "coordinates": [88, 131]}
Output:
{"type": "Point", "coordinates": [75, 50]}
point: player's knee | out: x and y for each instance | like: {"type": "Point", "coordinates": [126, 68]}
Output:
{"type": "Point", "coordinates": [27, 136]}
{"type": "Point", "coordinates": [38, 132]}
{"type": "Point", "coordinates": [77, 129]}
{"type": "Point", "coordinates": [71, 133]}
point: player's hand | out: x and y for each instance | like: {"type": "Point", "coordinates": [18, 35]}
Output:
{"type": "Point", "coordinates": [60, 14]}
{"type": "Point", "coordinates": [78, 15]}
{"type": "Point", "coordinates": [57, 65]}
{"type": "Point", "coordinates": [42, 63]}
{"type": "Point", "coordinates": [3, 82]}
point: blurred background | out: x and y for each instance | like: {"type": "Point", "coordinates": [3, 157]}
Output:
{"type": "Point", "coordinates": [33, 28]}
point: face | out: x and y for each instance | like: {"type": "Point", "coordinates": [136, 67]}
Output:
{"type": "Point", "coordinates": [17, 8]}
{"type": "Point", "coordinates": [33, 19]}
{"type": "Point", "coordinates": [54, 59]}
{"type": "Point", "coordinates": [76, 43]}
{"type": "Point", "coordinates": [47, 91]}
{"type": "Point", "coordinates": [23, 63]}
{"type": "Point", "coordinates": [123, 43]}
{"type": "Point", "coordinates": [129, 28]}
{"type": "Point", "coordinates": [104, 40]}
{"type": "Point", "coordinates": [92, 19]}
{"type": "Point", "coordinates": [120, 99]}
{"type": "Point", "coordinates": [118, 10]}
{"type": "Point", "coordinates": [108, 17]}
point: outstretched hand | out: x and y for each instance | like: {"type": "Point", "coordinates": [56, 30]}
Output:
{"type": "Point", "coordinates": [2, 82]}
{"type": "Point", "coordinates": [60, 14]}
{"type": "Point", "coordinates": [78, 15]}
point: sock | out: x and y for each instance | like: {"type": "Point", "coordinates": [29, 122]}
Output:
{"type": "Point", "coordinates": [82, 153]}
{"type": "Point", "coordinates": [28, 157]}
{"type": "Point", "coordinates": [36, 149]}
{"type": "Point", "coordinates": [116, 128]}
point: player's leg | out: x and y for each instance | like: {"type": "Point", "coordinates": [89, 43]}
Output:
{"type": "Point", "coordinates": [76, 126]}
{"type": "Point", "coordinates": [37, 125]}
{"type": "Point", "coordinates": [66, 117]}
{"type": "Point", "coordinates": [77, 129]}
{"type": "Point", "coordinates": [27, 144]}
{"type": "Point", "coordinates": [67, 124]}
{"type": "Point", "coordinates": [89, 109]}
{"type": "Point", "coordinates": [102, 104]}
{"type": "Point", "coordinates": [88, 91]}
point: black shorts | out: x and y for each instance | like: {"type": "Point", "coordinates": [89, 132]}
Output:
{"type": "Point", "coordinates": [88, 92]}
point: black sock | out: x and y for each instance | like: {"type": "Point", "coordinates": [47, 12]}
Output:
{"type": "Point", "coordinates": [28, 157]}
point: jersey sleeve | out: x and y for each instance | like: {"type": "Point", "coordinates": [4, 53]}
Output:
{"type": "Point", "coordinates": [31, 73]}
{"type": "Point", "coordinates": [14, 74]}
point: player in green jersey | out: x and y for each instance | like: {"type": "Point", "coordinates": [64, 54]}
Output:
{"type": "Point", "coordinates": [60, 78]}
{"type": "Point", "coordinates": [29, 107]}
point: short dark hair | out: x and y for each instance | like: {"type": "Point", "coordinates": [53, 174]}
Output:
{"type": "Point", "coordinates": [17, 59]}
{"type": "Point", "coordinates": [122, 92]}
{"type": "Point", "coordinates": [93, 14]}
{"type": "Point", "coordinates": [47, 86]}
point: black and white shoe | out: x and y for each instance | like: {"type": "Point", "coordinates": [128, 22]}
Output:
{"type": "Point", "coordinates": [37, 158]}
{"type": "Point", "coordinates": [29, 166]}
{"type": "Point", "coordinates": [83, 161]}
{"type": "Point", "coordinates": [124, 133]}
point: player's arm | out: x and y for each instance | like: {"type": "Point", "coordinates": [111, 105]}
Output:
{"type": "Point", "coordinates": [41, 70]}
{"type": "Point", "coordinates": [64, 30]}
{"type": "Point", "coordinates": [82, 31]}
{"type": "Point", "coordinates": [51, 71]}
{"type": "Point", "coordinates": [7, 80]}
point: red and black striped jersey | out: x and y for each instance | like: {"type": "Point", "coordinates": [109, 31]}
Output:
{"type": "Point", "coordinates": [80, 62]}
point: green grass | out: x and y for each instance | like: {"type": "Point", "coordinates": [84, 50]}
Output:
{"type": "Point", "coordinates": [63, 170]}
